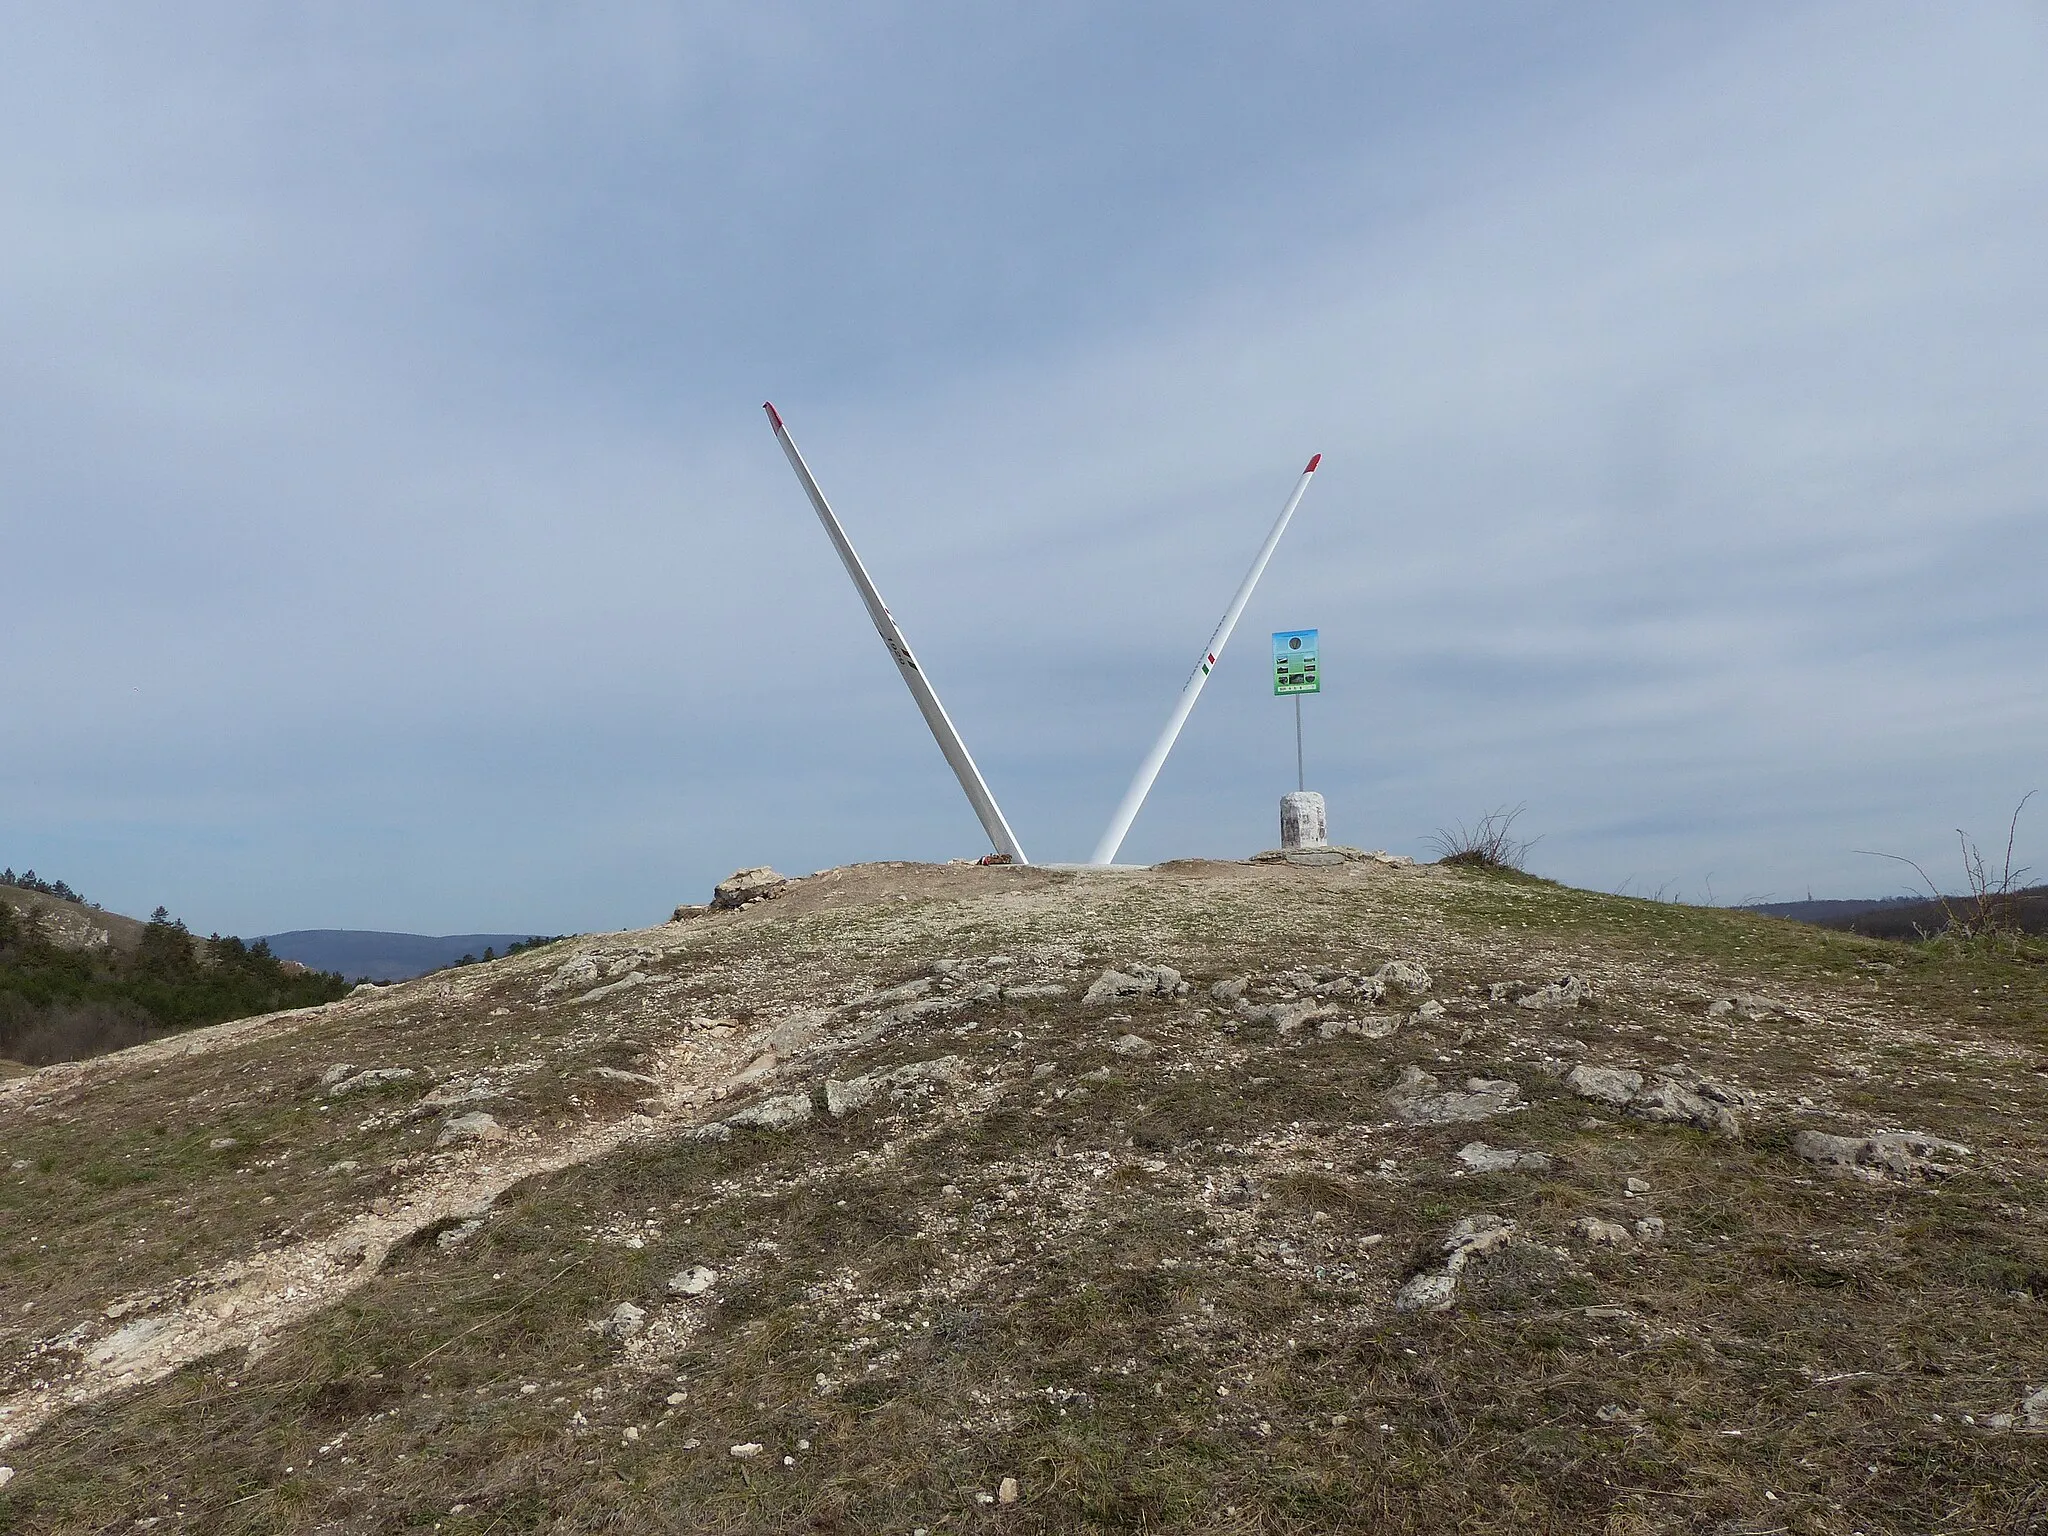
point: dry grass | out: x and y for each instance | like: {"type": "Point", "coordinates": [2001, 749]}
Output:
{"type": "Point", "coordinates": [1163, 1303]}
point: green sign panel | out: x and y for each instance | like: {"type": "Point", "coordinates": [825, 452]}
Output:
{"type": "Point", "coordinates": [1294, 662]}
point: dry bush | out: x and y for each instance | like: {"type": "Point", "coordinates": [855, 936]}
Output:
{"type": "Point", "coordinates": [37, 1037]}
{"type": "Point", "coordinates": [1490, 843]}
{"type": "Point", "coordinates": [1991, 907]}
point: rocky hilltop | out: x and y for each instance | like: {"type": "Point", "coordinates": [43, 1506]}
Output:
{"type": "Point", "coordinates": [1257, 1197]}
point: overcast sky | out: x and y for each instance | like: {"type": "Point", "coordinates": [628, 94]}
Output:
{"type": "Point", "coordinates": [391, 536]}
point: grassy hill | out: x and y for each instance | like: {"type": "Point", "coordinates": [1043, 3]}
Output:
{"type": "Point", "coordinates": [1213, 1197]}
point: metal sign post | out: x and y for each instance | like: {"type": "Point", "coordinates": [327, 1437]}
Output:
{"type": "Point", "coordinates": [1296, 671]}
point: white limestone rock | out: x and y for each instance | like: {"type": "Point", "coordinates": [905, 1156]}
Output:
{"type": "Point", "coordinates": [1418, 1098]}
{"type": "Point", "coordinates": [474, 1126]}
{"type": "Point", "coordinates": [773, 1114]}
{"type": "Point", "coordinates": [694, 1281]}
{"type": "Point", "coordinates": [746, 886]}
{"type": "Point", "coordinates": [1481, 1158]}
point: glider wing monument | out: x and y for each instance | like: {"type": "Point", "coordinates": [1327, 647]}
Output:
{"type": "Point", "coordinates": [1148, 770]}
{"type": "Point", "coordinates": [984, 803]}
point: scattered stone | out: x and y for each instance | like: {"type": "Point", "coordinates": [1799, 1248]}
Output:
{"type": "Point", "coordinates": [745, 1452]}
{"type": "Point", "coordinates": [1098, 1075]}
{"type": "Point", "coordinates": [222, 1144]}
{"type": "Point", "coordinates": [1403, 978]}
{"type": "Point", "coordinates": [1034, 989]}
{"type": "Point", "coordinates": [908, 992]}
{"type": "Point", "coordinates": [1139, 981]}
{"type": "Point", "coordinates": [1347, 987]}
{"type": "Point", "coordinates": [1678, 1097]}
{"type": "Point", "coordinates": [1897, 1154]}
{"type": "Point", "coordinates": [1429, 1012]}
{"type": "Point", "coordinates": [475, 1126]}
{"type": "Point", "coordinates": [1431, 1291]}
{"type": "Point", "coordinates": [1600, 1233]}
{"type": "Point", "coordinates": [1703, 1106]}
{"type": "Point", "coordinates": [1229, 993]}
{"type": "Point", "coordinates": [774, 1114]}
{"type": "Point", "coordinates": [1650, 1228]}
{"type": "Point", "coordinates": [687, 911]}
{"type": "Point", "coordinates": [1481, 1158]}
{"type": "Point", "coordinates": [574, 974]}
{"type": "Point", "coordinates": [370, 1077]}
{"type": "Point", "coordinates": [745, 886]}
{"type": "Point", "coordinates": [1636, 1186]}
{"type": "Point", "coordinates": [630, 979]}
{"type": "Point", "coordinates": [336, 1073]}
{"type": "Point", "coordinates": [694, 1281]}
{"type": "Point", "coordinates": [1373, 1029]}
{"type": "Point", "coordinates": [1746, 1005]}
{"type": "Point", "coordinates": [1604, 1085]}
{"type": "Point", "coordinates": [615, 1075]}
{"type": "Point", "coordinates": [461, 1090]}
{"type": "Point", "coordinates": [623, 1322]}
{"type": "Point", "coordinates": [1286, 1018]}
{"type": "Point", "coordinates": [1565, 992]}
{"type": "Point", "coordinates": [6, 1476]}
{"type": "Point", "coordinates": [843, 1098]}
{"type": "Point", "coordinates": [928, 1008]}
{"type": "Point", "coordinates": [1133, 1045]}
{"type": "Point", "coordinates": [1006, 1491]}
{"type": "Point", "coordinates": [1420, 1099]}
{"type": "Point", "coordinates": [2035, 1406]}
{"type": "Point", "coordinates": [364, 986]}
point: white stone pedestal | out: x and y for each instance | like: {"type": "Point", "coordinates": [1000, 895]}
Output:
{"type": "Point", "coordinates": [1303, 823]}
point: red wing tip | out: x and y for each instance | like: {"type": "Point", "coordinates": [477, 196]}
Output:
{"type": "Point", "coordinates": [1312, 463]}
{"type": "Point", "coordinates": [773, 419]}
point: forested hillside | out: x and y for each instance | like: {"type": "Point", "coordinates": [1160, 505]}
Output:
{"type": "Point", "coordinates": [60, 1002]}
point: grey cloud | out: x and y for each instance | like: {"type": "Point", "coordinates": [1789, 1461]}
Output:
{"type": "Point", "coordinates": [397, 540]}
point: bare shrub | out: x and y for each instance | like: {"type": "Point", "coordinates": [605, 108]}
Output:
{"type": "Point", "coordinates": [1490, 843]}
{"type": "Point", "coordinates": [1991, 907]}
{"type": "Point", "coordinates": [70, 1031]}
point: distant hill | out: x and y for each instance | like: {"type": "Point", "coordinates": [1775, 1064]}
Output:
{"type": "Point", "coordinates": [1903, 917]}
{"type": "Point", "coordinates": [72, 925]}
{"type": "Point", "coordinates": [357, 953]}
{"type": "Point", "coordinates": [1831, 914]}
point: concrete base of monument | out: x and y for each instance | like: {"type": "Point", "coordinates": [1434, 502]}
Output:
{"type": "Point", "coordinates": [1304, 824]}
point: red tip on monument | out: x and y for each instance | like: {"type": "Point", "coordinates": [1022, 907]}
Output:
{"type": "Point", "coordinates": [1312, 463]}
{"type": "Point", "coordinates": [773, 420]}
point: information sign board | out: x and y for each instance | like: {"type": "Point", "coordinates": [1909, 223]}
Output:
{"type": "Point", "coordinates": [1294, 662]}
